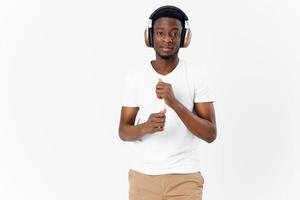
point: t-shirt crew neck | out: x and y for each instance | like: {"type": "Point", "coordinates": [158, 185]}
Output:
{"type": "Point", "coordinates": [168, 74]}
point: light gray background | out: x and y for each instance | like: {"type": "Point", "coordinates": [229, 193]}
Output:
{"type": "Point", "coordinates": [61, 65]}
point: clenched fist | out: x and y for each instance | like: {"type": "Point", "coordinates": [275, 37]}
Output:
{"type": "Point", "coordinates": [165, 91]}
{"type": "Point", "coordinates": [155, 122]}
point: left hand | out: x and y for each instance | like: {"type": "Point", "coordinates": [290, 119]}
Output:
{"type": "Point", "coordinates": [164, 91]}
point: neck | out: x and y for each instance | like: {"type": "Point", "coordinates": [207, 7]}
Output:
{"type": "Point", "coordinates": [165, 66]}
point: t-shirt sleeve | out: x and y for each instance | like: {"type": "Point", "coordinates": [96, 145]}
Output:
{"type": "Point", "coordinates": [202, 90]}
{"type": "Point", "coordinates": [129, 90]}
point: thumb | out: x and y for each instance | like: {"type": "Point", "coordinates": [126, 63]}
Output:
{"type": "Point", "coordinates": [163, 111]}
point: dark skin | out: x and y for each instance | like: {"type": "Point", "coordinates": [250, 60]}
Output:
{"type": "Point", "coordinates": [202, 123]}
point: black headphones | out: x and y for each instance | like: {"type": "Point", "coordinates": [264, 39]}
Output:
{"type": "Point", "coordinates": [185, 34]}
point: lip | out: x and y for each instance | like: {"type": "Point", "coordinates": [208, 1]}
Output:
{"type": "Point", "coordinates": [166, 48]}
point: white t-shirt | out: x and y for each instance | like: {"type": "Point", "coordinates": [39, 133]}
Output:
{"type": "Point", "coordinates": [174, 150]}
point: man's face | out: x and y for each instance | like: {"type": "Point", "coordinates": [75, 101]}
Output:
{"type": "Point", "coordinates": [166, 37]}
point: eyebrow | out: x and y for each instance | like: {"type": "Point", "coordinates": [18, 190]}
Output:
{"type": "Point", "coordinates": [162, 28]}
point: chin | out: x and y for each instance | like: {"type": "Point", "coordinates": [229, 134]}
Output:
{"type": "Point", "coordinates": [166, 57]}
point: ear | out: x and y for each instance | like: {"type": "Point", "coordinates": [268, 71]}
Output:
{"type": "Point", "coordinates": [187, 39]}
{"type": "Point", "coordinates": [147, 42]}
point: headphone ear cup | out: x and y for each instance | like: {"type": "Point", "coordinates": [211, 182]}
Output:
{"type": "Point", "coordinates": [147, 42]}
{"type": "Point", "coordinates": [182, 37]}
{"type": "Point", "coordinates": [187, 38]}
{"type": "Point", "coordinates": [148, 37]}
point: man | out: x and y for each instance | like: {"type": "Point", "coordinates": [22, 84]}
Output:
{"type": "Point", "coordinates": [166, 110]}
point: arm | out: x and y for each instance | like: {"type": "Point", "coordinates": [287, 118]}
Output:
{"type": "Point", "coordinates": [130, 132]}
{"type": "Point", "coordinates": [127, 130]}
{"type": "Point", "coordinates": [202, 123]}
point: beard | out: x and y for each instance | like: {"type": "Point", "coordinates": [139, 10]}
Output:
{"type": "Point", "coordinates": [166, 57]}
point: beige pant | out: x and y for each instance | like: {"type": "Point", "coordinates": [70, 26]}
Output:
{"type": "Point", "coordinates": [165, 187]}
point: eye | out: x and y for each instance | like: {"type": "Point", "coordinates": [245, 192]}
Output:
{"type": "Point", "coordinates": [174, 34]}
{"type": "Point", "coordinates": [159, 33]}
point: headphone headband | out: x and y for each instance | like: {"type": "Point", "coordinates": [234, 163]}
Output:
{"type": "Point", "coordinates": [169, 8]}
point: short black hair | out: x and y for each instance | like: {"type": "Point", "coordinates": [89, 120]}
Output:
{"type": "Point", "coordinates": [169, 11]}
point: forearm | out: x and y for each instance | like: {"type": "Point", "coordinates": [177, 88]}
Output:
{"type": "Point", "coordinates": [131, 132]}
{"type": "Point", "coordinates": [200, 127]}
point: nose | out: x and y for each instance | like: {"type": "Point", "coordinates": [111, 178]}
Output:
{"type": "Point", "coordinates": [167, 38]}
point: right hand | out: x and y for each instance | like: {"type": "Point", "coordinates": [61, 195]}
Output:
{"type": "Point", "coordinates": [156, 122]}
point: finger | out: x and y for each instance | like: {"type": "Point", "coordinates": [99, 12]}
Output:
{"type": "Point", "coordinates": [158, 129]}
{"type": "Point", "coordinates": [164, 87]}
{"type": "Point", "coordinates": [159, 116]}
{"type": "Point", "coordinates": [161, 92]}
{"type": "Point", "coordinates": [163, 111]}
{"type": "Point", "coordinates": [162, 96]}
{"type": "Point", "coordinates": [159, 120]}
{"type": "Point", "coordinates": [159, 85]}
{"type": "Point", "coordinates": [159, 97]}
{"type": "Point", "coordinates": [160, 125]}
{"type": "Point", "coordinates": [157, 126]}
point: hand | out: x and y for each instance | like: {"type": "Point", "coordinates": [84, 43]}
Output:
{"type": "Point", "coordinates": [164, 91]}
{"type": "Point", "coordinates": [155, 122]}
